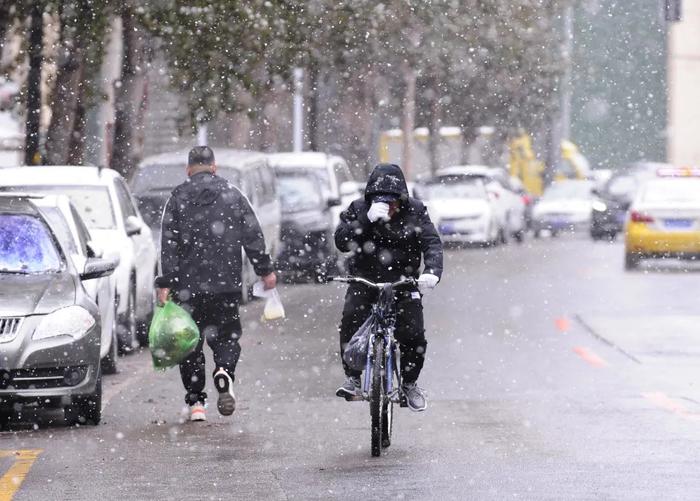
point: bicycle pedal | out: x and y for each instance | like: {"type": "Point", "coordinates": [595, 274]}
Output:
{"type": "Point", "coordinates": [403, 402]}
{"type": "Point", "coordinates": [356, 398]}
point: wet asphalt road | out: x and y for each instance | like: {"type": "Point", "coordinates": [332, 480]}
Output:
{"type": "Point", "coordinates": [552, 374]}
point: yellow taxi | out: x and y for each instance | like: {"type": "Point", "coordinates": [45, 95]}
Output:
{"type": "Point", "coordinates": [664, 219]}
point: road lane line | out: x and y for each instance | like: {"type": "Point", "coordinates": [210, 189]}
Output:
{"type": "Point", "coordinates": [15, 475]}
{"type": "Point", "coordinates": [666, 403]}
{"type": "Point", "coordinates": [590, 356]}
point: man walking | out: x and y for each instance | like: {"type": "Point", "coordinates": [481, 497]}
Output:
{"type": "Point", "coordinates": [207, 223]}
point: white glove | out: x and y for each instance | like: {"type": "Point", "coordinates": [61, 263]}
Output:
{"type": "Point", "coordinates": [427, 281]}
{"type": "Point", "coordinates": [378, 210]}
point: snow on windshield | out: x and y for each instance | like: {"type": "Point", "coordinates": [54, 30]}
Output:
{"type": "Point", "coordinates": [26, 246]}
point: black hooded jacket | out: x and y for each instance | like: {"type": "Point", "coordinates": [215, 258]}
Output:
{"type": "Point", "coordinates": [384, 252]}
{"type": "Point", "coordinates": [206, 224]}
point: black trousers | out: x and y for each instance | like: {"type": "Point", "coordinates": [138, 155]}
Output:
{"type": "Point", "coordinates": [219, 323]}
{"type": "Point", "coordinates": [409, 333]}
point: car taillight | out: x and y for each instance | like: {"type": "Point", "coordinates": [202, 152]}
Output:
{"type": "Point", "coordinates": [640, 217]}
{"type": "Point", "coordinates": [527, 199]}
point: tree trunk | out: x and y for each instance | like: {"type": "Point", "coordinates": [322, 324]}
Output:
{"type": "Point", "coordinates": [32, 155]}
{"type": "Point", "coordinates": [76, 148]}
{"type": "Point", "coordinates": [409, 118]}
{"type": "Point", "coordinates": [129, 95]}
{"type": "Point", "coordinates": [70, 84]}
{"type": "Point", "coordinates": [434, 122]}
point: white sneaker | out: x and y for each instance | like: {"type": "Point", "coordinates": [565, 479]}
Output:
{"type": "Point", "coordinates": [224, 385]}
{"type": "Point", "coordinates": [198, 412]}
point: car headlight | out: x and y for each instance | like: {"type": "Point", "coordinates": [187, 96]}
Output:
{"type": "Point", "coordinates": [73, 321]}
{"type": "Point", "coordinates": [599, 206]}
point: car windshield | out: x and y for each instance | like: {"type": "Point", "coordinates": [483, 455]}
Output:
{"type": "Point", "coordinates": [26, 245]}
{"type": "Point", "coordinates": [576, 190]}
{"type": "Point", "coordinates": [299, 192]}
{"type": "Point", "coordinates": [92, 202]}
{"type": "Point", "coordinates": [453, 188]}
{"type": "Point", "coordinates": [672, 191]}
{"type": "Point", "coordinates": [165, 177]}
{"type": "Point", "coordinates": [622, 186]}
{"type": "Point", "coordinates": [151, 207]}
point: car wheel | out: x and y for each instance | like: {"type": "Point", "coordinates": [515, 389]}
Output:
{"type": "Point", "coordinates": [5, 416]}
{"type": "Point", "coordinates": [145, 323]}
{"type": "Point", "coordinates": [128, 324]}
{"type": "Point", "coordinates": [86, 409]}
{"type": "Point", "coordinates": [632, 260]}
{"type": "Point", "coordinates": [109, 362]}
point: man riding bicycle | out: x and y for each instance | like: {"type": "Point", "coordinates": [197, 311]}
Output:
{"type": "Point", "coordinates": [388, 233]}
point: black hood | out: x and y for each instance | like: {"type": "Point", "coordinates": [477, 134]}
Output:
{"type": "Point", "coordinates": [386, 178]}
{"type": "Point", "coordinates": [201, 189]}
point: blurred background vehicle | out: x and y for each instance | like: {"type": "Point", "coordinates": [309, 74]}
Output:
{"type": "Point", "coordinates": [50, 328]}
{"type": "Point", "coordinates": [565, 206]}
{"type": "Point", "coordinates": [664, 218]}
{"type": "Point", "coordinates": [307, 224]}
{"type": "Point", "coordinates": [613, 200]}
{"type": "Point", "coordinates": [104, 203]}
{"type": "Point", "coordinates": [75, 238]}
{"type": "Point", "coordinates": [510, 207]}
{"type": "Point", "coordinates": [461, 208]}
{"type": "Point", "coordinates": [250, 172]}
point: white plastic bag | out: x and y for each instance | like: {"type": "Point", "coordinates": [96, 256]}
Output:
{"type": "Point", "coordinates": [274, 310]}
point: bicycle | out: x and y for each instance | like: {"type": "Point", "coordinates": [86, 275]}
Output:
{"type": "Point", "coordinates": [382, 378]}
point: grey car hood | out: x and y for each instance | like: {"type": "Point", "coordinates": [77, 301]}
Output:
{"type": "Point", "coordinates": [22, 295]}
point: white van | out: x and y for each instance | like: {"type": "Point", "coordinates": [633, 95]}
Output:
{"type": "Point", "coordinates": [249, 171]}
{"type": "Point", "coordinates": [333, 171]}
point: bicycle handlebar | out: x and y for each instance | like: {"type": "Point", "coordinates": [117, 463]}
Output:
{"type": "Point", "coordinates": [359, 280]}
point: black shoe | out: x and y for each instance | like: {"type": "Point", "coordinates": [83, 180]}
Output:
{"type": "Point", "coordinates": [350, 389]}
{"type": "Point", "coordinates": [227, 400]}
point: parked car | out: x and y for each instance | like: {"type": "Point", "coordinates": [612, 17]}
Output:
{"type": "Point", "coordinates": [249, 171]}
{"type": "Point", "coordinates": [307, 224]}
{"type": "Point", "coordinates": [614, 199]}
{"type": "Point", "coordinates": [564, 206]}
{"type": "Point", "coordinates": [50, 328]}
{"type": "Point", "coordinates": [509, 205]}
{"type": "Point", "coordinates": [461, 208]}
{"type": "Point", "coordinates": [75, 238]}
{"type": "Point", "coordinates": [104, 203]}
{"type": "Point", "coordinates": [333, 172]}
{"type": "Point", "coordinates": [664, 218]}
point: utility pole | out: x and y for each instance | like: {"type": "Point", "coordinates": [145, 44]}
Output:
{"type": "Point", "coordinates": [298, 118]}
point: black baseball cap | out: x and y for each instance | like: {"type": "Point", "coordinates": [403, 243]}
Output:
{"type": "Point", "coordinates": [385, 197]}
{"type": "Point", "coordinates": [201, 155]}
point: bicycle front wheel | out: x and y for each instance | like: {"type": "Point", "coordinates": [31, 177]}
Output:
{"type": "Point", "coordinates": [377, 396]}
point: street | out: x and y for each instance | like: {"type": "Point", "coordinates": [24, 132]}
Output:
{"type": "Point", "coordinates": [551, 374]}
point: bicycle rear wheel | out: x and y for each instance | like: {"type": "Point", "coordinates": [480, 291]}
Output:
{"type": "Point", "coordinates": [377, 396]}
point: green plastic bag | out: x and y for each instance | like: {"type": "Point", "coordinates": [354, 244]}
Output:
{"type": "Point", "coordinates": [173, 335]}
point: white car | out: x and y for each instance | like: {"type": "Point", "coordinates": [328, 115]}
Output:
{"type": "Point", "coordinates": [509, 205]}
{"type": "Point", "coordinates": [564, 206]}
{"type": "Point", "coordinates": [59, 211]}
{"type": "Point", "coordinates": [461, 209]}
{"type": "Point", "coordinates": [249, 171]}
{"type": "Point", "coordinates": [333, 171]}
{"type": "Point", "coordinates": [104, 203]}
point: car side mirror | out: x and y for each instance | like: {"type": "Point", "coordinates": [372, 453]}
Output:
{"type": "Point", "coordinates": [94, 250]}
{"type": "Point", "coordinates": [133, 226]}
{"type": "Point", "coordinates": [96, 267]}
{"type": "Point", "coordinates": [595, 192]}
{"type": "Point", "coordinates": [333, 202]}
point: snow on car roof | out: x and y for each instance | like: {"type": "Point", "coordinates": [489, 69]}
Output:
{"type": "Point", "coordinates": [307, 159]}
{"type": "Point", "coordinates": [478, 170]}
{"type": "Point", "coordinates": [61, 175]}
{"type": "Point", "coordinates": [225, 157]}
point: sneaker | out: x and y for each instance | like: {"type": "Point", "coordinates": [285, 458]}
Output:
{"type": "Point", "coordinates": [197, 412]}
{"type": "Point", "coordinates": [415, 398]}
{"type": "Point", "coordinates": [224, 385]}
{"type": "Point", "coordinates": [350, 389]}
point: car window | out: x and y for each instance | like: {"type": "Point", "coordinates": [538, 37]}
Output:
{"type": "Point", "coordinates": [93, 202]}
{"type": "Point", "coordinates": [61, 229]}
{"type": "Point", "coordinates": [249, 187]}
{"type": "Point", "coordinates": [299, 192]}
{"type": "Point", "coordinates": [232, 175]}
{"type": "Point", "coordinates": [342, 172]}
{"type": "Point", "coordinates": [267, 178]}
{"type": "Point", "coordinates": [452, 188]}
{"type": "Point", "coordinates": [158, 177]}
{"type": "Point", "coordinates": [672, 191]}
{"type": "Point", "coordinates": [569, 190]}
{"type": "Point", "coordinates": [83, 233]}
{"type": "Point", "coordinates": [124, 198]}
{"type": "Point", "coordinates": [27, 245]}
{"type": "Point", "coordinates": [622, 186]}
